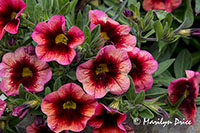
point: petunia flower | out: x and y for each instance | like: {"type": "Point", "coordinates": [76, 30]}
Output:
{"type": "Point", "coordinates": [21, 110]}
{"type": "Point", "coordinates": [143, 66]}
{"type": "Point", "coordinates": [112, 31]}
{"type": "Point", "coordinates": [10, 11]}
{"type": "Point", "coordinates": [188, 87]}
{"type": "Point", "coordinates": [106, 120]}
{"type": "Point", "coordinates": [53, 43]}
{"type": "Point", "coordinates": [108, 72]}
{"type": "Point", "coordinates": [21, 68]}
{"type": "Point", "coordinates": [68, 108]}
{"type": "Point", "coordinates": [39, 126]}
{"type": "Point", "coordinates": [2, 106]}
{"type": "Point", "coordinates": [167, 5]}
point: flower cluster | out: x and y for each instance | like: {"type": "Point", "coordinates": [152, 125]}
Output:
{"type": "Point", "coordinates": [64, 74]}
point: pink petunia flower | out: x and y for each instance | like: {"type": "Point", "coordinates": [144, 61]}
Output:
{"type": "Point", "coordinates": [112, 31]}
{"type": "Point", "coordinates": [106, 120]}
{"type": "Point", "coordinates": [20, 67]}
{"type": "Point", "coordinates": [53, 43]}
{"type": "Point", "coordinates": [68, 108]}
{"type": "Point", "coordinates": [10, 10]}
{"type": "Point", "coordinates": [108, 72]}
{"type": "Point", "coordinates": [2, 106]}
{"type": "Point", "coordinates": [188, 87]}
{"type": "Point", "coordinates": [143, 66]}
{"type": "Point", "coordinates": [167, 5]}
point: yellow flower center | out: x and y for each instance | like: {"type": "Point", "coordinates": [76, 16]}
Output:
{"type": "Point", "coordinates": [101, 69]}
{"type": "Point", "coordinates": [13, 15]}
{"type": "Point", "coordinates": [186, 93]}
{"type": "Point", "coordinates": [134, 66]}
{"type": "Point", "coordinates": [26, 72]}
{"type": "Point", "coordinates": [69, 105]}
{"type": "Point", "coordinates": [105, 35]}
{"type": "Point", "coordinates": [61, 38]}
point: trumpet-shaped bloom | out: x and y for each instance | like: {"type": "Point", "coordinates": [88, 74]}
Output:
{"type": "Point", "coordinates": [53, 43]}
{"type": "Point", "coordinates": [106, 120]}
{"type": "Point", "coordinates": [188, 87]}
{"type": "Point", "coordinates": [68, 108]}
{"type": "Point", "coordinates": [112, 31]}
{"type": "Point", "coordinates": [21, 68]}
{"type": "Point", "coordinates": [167, 5]}
{"type": "Point", "coordinates": [108, 72]}
{"type": "Point", "coordinates": [10, 11]}
{"type": "Point", "coordinates": [2, 106]}
{"type": "Point", "coordinates": [143, 66]}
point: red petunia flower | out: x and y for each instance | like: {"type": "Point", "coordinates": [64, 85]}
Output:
{"type": "Point", "coordinates": [53, 43]}
{"type": "Point", "coordinates": [112, 31]}
{"type": "Point", "coordinates": [39, 126]}
{"type": "Point", "coordinates": [188, 87]}
{"type": "Point", "coordinates": [107, 72]}
{"type": "Point", "coordinates": [143, 66]}
{"type": "Point", "coordinates": [2, 106]}
{"type": "Point", "coordinates": [69, 108]}
{"type": "Point", "coordinates": [106, 120]}
{"type": "Point", "coordinates": [20, 67]}
{"type": "Point", "coordinates": [10, 10]}
{"type": "Point", "coordinates": [167, 5]}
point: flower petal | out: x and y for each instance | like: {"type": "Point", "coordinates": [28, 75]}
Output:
{"type": "Point", "coordinates": [57, 23]}
{"type": "Point", "coordinates": [12, 26]}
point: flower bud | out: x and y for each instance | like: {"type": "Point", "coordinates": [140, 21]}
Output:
{"type": "Point", "coordinates": [189, 32]}
{"type": "Point", "coordinates": [128, 13]}
{"type": "Point", "coordinates": [11, 41]}
{"type": "Point", "coordinates": [30, 50]}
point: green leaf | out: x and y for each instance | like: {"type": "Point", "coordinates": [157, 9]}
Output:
{"type": "Point", "coordinates": [197, 6]}
{"type": "Point", "coordinates": [161, 14]}
{"type": "Point", "coordinates": [38, 13]}
{"type": "Point", "coordinates": [146, 113]}
{"type": "Point", "coordinates": [72, 75]}
{"type": "Point", "coordinates": [57, 84]}
{"type": "Point", "coordinates": [148, 20]}
{"type": "Point", "coordinates": [95, 32]}
{"type": "Point", "coordinates": [188, 16]}
{"type": "Point", "coordinates": [87, 33]}
{"type": "Point", "coordinates": [168, 19]}
{"type": "Point", "coordinates": [64, 9]}
{"type": "Point", "coordinates": [140, 97]}
{"type": "Point", "coordinates": [22, 91]}
{"type": "Point", "coordinates": [31, 8]}
{"type": "Point", "coordinates": [131, 93]}
{"type": "Point", "coordinates": [47, 91]}
{"type": "Point", "coordinates": [156, 91]}
{"type": "Point", "coordinates": [164, 80]}
{"type": "Point", "coordinates": [73, 5]}
{"type": "Point", "coordinates": [135, 9]}
{"type": "Point", "coordinates": [158, 29]}
{"type": "Point", "coordinates": [183, 62]}
{"type": "Point", "coordinates": [163, 66]}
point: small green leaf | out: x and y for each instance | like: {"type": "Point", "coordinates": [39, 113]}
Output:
{"type": "Point", "coordinates": [72, 75]}
{"type": "Point", "coordinates": [183, 62]}
{"type": "Point", "coordinates": [197, 6]}
{"type": "Point", "coordinates": [163, 66]}
{"type": "Point", "coordinates": [47, 91]}
{"type": "Point", "coordinates": [131, 93]}
{"type": "Point", "coordinates": [158, 29]}
{"type": "Point", "coordinates": [64, 9]}
{"type": "Point", "coordinates": [57, 84]}
{"type": "Point", "coordinates": [168, 19]}
{"type": "Point", "coordinates": [140, 97]}
{"type": "Point", "coordinates": [161, 14]}
{"type": "Point", "coordinates": [156, 91]}
{"type": "Point", "coordinates": [22, 91]}
{"type": "Point", "coordinates": [188, 16]}
{"type": "Point", "coordinates": [146, 113]}
{"type": "Point", "coordinates": [164, 80]}
{"type": "Point", "coordinates": [87, 33]}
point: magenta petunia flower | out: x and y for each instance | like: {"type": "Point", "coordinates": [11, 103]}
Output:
{"type": "Point", "coordinates": [108, 72]}
{"type": "Point", "coordinates": [10, 10]}
{"type": "Point", "coordinates": [68, 108]}
{"type": "Point", "coordinates": [112, 31]}
{"type": "Point", "coordinates": [53, 43]}
{"type": "Point", "coordinates": [167, 5]}
{"type": "Point", "coordinates": [188, 87]}
{"type": "Point", "coordinates": [106, 120]}
{"type": "Point", "coordinates": [21, 68]}
{"type": "Point", "coordinates": [143, 66]}
{"type": "Point", "coordinates": [2, 106]}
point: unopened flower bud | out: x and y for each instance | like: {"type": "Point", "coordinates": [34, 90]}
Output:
{"type": "Point", "coordinates": [30, 50]}
{"type": "Point", "coordinates": [128, 13]}
{"type": "Point", "coordinates": [11, 41]}
{"type": "Point", "coordinates": [190, 32]}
